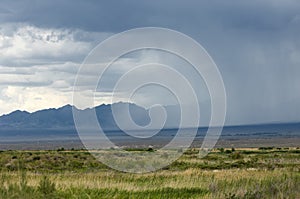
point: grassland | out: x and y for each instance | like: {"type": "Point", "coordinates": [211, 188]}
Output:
{"type": "Point", "coordinates": [224, 173]}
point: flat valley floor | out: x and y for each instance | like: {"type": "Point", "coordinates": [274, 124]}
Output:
{"type": "Point", "coordinates": [264, 172]}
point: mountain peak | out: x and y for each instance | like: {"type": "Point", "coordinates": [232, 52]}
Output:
{"type": "Point", "coordinates": [19, 112]}
{"type": "Point", "coordinates": [66, 106]}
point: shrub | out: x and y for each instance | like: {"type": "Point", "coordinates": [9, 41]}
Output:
{"type": "Point", "coordinates": [150, 149]}
{"type": "Point", "coordinates": [61, 149]}
{"type": "Point", "coordinates": [236, 155]}
{"type": "Point", "coordinates": [36, 158]}
{"type": "Point", "coordinates": [266, 148]}
{"type": "Point", "coordinates": [228, 151]}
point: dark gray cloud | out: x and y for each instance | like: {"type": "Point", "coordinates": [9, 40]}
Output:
{"type": "Point", "coordinates": [115, 16]}
{"type": "Point", "coordinates": [255, 44]}
{"type": "Point", "coordinates": [105, 16]}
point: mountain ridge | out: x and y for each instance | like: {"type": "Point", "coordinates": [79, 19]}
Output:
{"type": "Point", "coordinates": [62, 117]}
{"type": "Point", "coordinates": [19, 119]}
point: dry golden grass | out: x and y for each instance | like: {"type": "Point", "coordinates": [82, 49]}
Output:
{"type": "Point", "coordinates": [262, 174]}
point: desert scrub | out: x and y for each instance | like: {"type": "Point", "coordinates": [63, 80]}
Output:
{"type": "Point", "coordinates": [267, 173]}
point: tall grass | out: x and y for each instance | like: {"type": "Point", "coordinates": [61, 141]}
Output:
{"type": "Point", "coordinates": [267, 173]}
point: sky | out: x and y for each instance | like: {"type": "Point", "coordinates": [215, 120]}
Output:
{"type": "Point", "coordinates": [255, 44]}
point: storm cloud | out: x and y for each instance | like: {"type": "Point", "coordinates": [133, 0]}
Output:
{"type": "Point", "coordinates": [255, 44]}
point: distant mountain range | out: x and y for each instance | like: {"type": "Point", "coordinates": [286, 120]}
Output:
{"type": "Point", "coordinates": [62, 118]}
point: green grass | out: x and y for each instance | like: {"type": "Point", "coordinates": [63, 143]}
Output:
{"type": "Point", "coordinates": [224, 173]}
